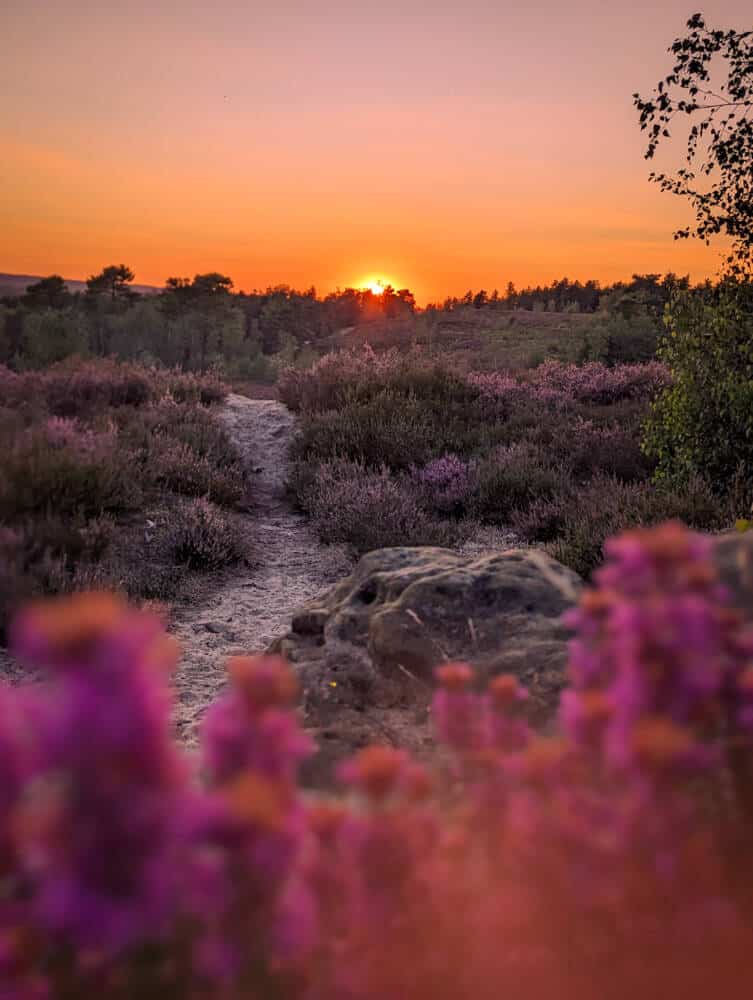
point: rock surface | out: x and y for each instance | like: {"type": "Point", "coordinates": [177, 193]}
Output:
{"type": "Point", "coordinates": [366, 650]}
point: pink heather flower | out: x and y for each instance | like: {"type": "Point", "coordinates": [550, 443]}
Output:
{"type": "Point", "coordinates": [99, 829]}
{"type": "Point", "coordinates": [252, 829]}
{"type": "Point", "coordinates": [253, 725]}
{"type": "Point", "coordinates": [447, 481]}
{"type": "Point", "coordinates": [386, 846]}
{"type": "Point", "coordinates": [658, 670]}
{"type": "Point", "coordinates": [458, 711]}
{"type": "Point", "coordinates": [508, 732]}
{"type": "Point", "coordinates": [656, 638]}
{"type": "Point", "coordinates": [555, 384]}
{"type": "Point", "coordinates": [63, 432]}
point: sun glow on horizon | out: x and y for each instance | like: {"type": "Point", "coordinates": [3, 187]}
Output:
{"type": "Point", "coordinates": [375, 285]}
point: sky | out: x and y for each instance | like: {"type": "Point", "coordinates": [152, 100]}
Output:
{"type": "Point", "coordinates": [437, 145]}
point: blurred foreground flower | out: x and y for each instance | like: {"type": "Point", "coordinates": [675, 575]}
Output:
{"type": "Point", "coordinates": [610, 860]}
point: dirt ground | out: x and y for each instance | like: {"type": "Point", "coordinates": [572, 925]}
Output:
{"type": "Point", "coordinates": [252, 605]}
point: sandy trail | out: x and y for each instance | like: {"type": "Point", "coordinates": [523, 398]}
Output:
{"type": "Point", "coordinates": [252, 605]}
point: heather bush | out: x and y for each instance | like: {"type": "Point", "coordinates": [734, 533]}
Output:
{"type": "Point", "coordinates": [51, 554]}
{"type": "Point", "coordinates": [64, 468]}
{"type": "Point", "coordinates": [189, 387]}
{"type": "Point", "coordinates": [484, 446]}
{"type": "Point", "coordinates": [585, 449]}
{"type": "Point", "coordinates": [204, 538]}
{"type": "Point", "coordinates": [344, 377]}
{"type": "Point", "coordinates": [129, 439]}
{"type": "Point", "coordinates": [609, 859]}
{"type": "Point", "coordinates": [511, 478]}
{"type": "Point", "coordinates": [175, 466]}
{"type": "Point", "coordinates": [79, 389]}
{"type": "Point", "coordinates": [369, 509]}
{"type": "Point", "coordinates": [397, 427]}
{"type": "Point", "coordinates": [556, 384]}
{"type": "Point", "coordinates": [446, 485]}
{"type": "Point", "coordinates": [339, 378]}
{"type": "Point", "coordinates": [384, 431]}
{"type": "Point", "coordinates": [576, 522]}
{"type": "Point", "coordinates": [595, 383]}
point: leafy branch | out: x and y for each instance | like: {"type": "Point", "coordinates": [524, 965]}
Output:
{"type": "Point", "coordinates": [719, 144]}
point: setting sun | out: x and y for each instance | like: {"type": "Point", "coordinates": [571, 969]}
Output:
{"type": "Point", "coordinates": [375, 285]}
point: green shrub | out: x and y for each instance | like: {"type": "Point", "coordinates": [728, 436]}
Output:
{"type": "Point", "coordinates": [630, 341]}
{"type": "Point", "coordinates": [52, 335]}
{"type": "Point", "coordinates": [703, 422]}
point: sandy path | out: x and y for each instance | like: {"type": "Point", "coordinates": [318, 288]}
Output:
{"type": "Point", "coordinates": [252, 605]}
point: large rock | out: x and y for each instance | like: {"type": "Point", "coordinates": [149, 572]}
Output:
{"type": "Point", "coordinates": [367, 650]}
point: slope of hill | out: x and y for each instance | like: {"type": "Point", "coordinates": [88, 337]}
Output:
{"type": "Point", "coordinates": [16, 284]}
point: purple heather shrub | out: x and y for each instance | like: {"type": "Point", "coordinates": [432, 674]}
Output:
{"type": "Point", "coordinates": [657, 670]}
{"type": "Point", "coordinates": [604, 861]}
{"type": "Point", "coordinates": [554, 383]}
{"type": "Point", "coordinates": [448, 483]}
{"type": "Point", "coordinates": [370, 509]}
{"type": "Point", "coordinates": [254, 828]}
{"type": "Point", "coordinates": [340, 375]}
{"type": "Point", "coordinates": [11, 387]}
{"type": "Point", "coordinates": [72, 467]}
{"type": "Point", "coordinates": [85, 388]}
{"type": "Point", "coordinates": [253, 726]}
{"type": "Point", "coordinates": [595, 383]}
{"type": "Point", "coordinates": [63, 467]}
{"type": "Point", "coordinates": [658, 606]}
{"type": "Point", "coordinates": [65, 432]}
{"type": "Point", "coordinates": [97, 824]}
{"type": "Point", "coordinates": [457, 710]}
{"type": "Point", "coordinates": [15, 769]}
{"type": "Point", "coordinates": [387, 844]}
{"type": "Point", "coordinates": [205, 538]}
{"type": "Point", "coordinates": [493, 384]}
{"type": "Point", "coordinates": [479, 726]}
{"type": "Point", "coordinates": [190, 387]}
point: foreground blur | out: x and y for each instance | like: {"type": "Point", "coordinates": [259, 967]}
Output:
{"type": "Point", "coordinates": [608, 862]}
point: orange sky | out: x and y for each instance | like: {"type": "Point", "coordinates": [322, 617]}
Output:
{"type": "Point", "coordinates": [436, 144]}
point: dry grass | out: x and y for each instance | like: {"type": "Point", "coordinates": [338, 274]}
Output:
{"type": "Point", "coordinates": [479, 340]}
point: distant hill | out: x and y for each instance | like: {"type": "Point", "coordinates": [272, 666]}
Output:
{"type": "Point", "coordinates": [16, 284]}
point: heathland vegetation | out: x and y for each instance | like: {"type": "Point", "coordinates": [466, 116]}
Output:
{"type": "Point", "coordinates": [99, 457]}
{"type": "Point", "coordinates": [608, 858]}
